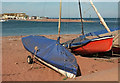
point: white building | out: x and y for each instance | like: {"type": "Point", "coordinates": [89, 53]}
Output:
{"type": "Point", "coordinates": [21, 16]}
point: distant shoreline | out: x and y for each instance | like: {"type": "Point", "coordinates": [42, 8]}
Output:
{"type": "Point", "coordinates": [56, 20]}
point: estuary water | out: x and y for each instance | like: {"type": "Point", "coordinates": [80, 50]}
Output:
{"type": "Point", "coordinates": [17, 28]}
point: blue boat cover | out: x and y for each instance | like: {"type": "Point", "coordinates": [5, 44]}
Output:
{"type": "Point", "coordinates": [101, 32]}
{"type": "Point", "coordinates": [52, 52]}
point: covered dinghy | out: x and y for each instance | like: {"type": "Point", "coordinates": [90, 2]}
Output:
{"type": "Point", "coordinates": [52, 53]}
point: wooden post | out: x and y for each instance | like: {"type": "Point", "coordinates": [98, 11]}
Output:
{"type": "Point", "coordinates": [100, 17]}
{"type": "Point", "coordinates": [59, 18]}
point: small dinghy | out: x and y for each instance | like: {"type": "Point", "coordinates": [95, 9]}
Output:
{"type": "Point", "coordinates": [51, 53]}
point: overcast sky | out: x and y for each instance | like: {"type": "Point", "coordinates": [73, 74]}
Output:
{"type": "Point", "coordinates": [69, 9]}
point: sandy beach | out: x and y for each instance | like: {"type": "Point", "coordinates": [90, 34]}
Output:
{"type": "Point", "coordinates": [56, 20]}
{"type": "Point", "coordinates": [16, 68]}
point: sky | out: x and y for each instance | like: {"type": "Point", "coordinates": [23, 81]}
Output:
{"type": "Point", "coordinates": [58, 0]}
{"type": "Point", "coordinates": [69, 9]}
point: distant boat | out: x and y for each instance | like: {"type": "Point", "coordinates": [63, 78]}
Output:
{"type": "Point", "coordinates": [2, 20]}
{"type": "Point", "coordinates": [95, 44]}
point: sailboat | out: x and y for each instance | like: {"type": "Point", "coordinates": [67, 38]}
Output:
{"type": "Point", "coordinates": [51, 53]}
{"type": "Point", "coordinates": [91, 43]}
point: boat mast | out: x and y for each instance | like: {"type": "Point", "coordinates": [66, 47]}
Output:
{"type": "Point", "coordinates": [81, 16]}
{"type": "Point", "coordinates": [59, 19]}
{"type": "Point", "coordinates": [100, 17]}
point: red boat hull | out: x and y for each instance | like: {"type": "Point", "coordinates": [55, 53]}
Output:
{"type": "Point", "coordinates": [96, 46]}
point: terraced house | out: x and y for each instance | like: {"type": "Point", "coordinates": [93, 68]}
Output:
{"type": "Point", "coordinates": [21, 16]}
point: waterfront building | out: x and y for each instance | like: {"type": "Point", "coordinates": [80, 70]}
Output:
{"type": "Point", "coordinates": [35, 17]}
{"type": "Point", "coordinates": [18, 16]}
{"type": "Point", "coordinates": [43, 17]}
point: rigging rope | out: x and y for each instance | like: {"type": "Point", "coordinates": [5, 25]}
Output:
{"type": "Point", "coordinates": [87, 10]}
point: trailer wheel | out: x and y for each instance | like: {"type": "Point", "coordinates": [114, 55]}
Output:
{"type": "Point", "coordinates": [29, 60]}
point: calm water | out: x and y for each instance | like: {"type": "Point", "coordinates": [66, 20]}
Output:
{"type": "Point", "coordinates": [17, 28]}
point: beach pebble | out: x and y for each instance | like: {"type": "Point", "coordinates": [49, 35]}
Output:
{"type": "Point", "coordinates": [23, 62]}
{"type": "Point", "coordinates": [92, 71]}
{"type": "Point", "coordinates": [96, 70]}
{"type": "Point", "coordinates": [16, 62]}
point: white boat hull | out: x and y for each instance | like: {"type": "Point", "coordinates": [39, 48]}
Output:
{"type": "Point", "coordinates": [67, 74]}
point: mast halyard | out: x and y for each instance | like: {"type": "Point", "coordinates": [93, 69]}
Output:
{"type": "Point", "coordinates": [81, 16]}
{"type": "Point", "coordinates": [100, 17]}
{"type": "Point", "coordinates": [59, 25]}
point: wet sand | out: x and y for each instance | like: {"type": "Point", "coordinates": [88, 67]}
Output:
{"type": "Point", "coordinates": [16, 68]}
